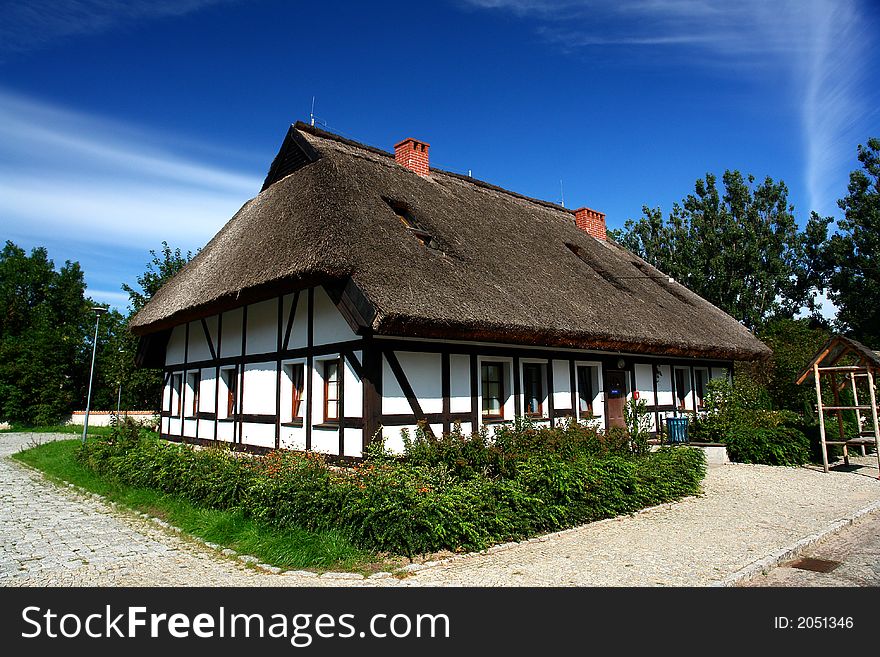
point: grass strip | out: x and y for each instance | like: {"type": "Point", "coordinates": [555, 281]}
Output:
{"type": "Point", "coordinates": [287, 549]}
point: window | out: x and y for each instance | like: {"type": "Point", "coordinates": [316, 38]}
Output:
{"type": "Point", "coordinates": [701, 377]}
{"type": "Point", "coordinates": [585, 388]}
{"type": "Point", "coordinates": [230, 381]}
{"type": "Point", "coordinates": [682, 387]}
{"type": "Point", "coordinates": [176, 390]}
{"type": "Point", "coordinates": [493, 390]}
{"type": "Point", "coordinates": [296, 375]}
{"type": "Point", "coordinates": [331, 391]}
{"type": "Point", "coordinates": [193, 383]}
{"type": "Point", "coordinates": [533, 387]}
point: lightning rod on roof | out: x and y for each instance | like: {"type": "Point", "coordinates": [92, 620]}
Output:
{"type": "Point", "coordinates": [312, 113]}
{"type": "Point", "coordinates": [562, 192]}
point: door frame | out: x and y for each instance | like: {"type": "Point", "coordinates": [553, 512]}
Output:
{"type": "Point", "coordinates": [607, 375]}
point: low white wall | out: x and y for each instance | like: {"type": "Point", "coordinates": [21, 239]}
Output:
{"type": "Point", "coordinates": [102, 418]}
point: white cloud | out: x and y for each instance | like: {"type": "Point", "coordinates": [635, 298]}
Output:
{"type": "Point", "coordinates": [27, 25]}
{"type": "Point", "coordinates": [83, 178]}
{"type": "Point", "coordinates": [820, 45]}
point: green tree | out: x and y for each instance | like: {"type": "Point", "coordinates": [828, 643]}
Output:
{"type": "Point", "coordinates": [738, 247]}
{"type": "Point", "coordinates": [160, 269]}
{"type": "Point", "coordinates": [141, 388]}
{"type": "Point", "coordinates": [847, 263]}
{"type": "Point", "coordinates": [44, 321]}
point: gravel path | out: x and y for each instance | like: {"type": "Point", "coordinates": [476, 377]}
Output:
{"type": "Point", "coordinates": [50, 535]}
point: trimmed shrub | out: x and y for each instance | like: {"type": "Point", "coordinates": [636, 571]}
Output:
{"type": "Point", "coordinates": [453, 492]}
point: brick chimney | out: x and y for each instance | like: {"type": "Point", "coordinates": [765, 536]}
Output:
{"type": "Point", "coordinates": [413, 154]}
{"type": "Point", "coordinates": [591, 221]}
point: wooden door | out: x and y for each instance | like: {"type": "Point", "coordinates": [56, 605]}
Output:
{"type": "Point", "coordinates": [615, 398]}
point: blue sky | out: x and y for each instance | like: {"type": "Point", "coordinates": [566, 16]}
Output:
{"type": "Point", "coordinates": [123, 124]}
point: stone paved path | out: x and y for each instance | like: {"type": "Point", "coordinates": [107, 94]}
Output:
{"type": "Point", "coordinates": [50, 535]}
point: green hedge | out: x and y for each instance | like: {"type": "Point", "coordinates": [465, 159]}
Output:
{"type": "Point", "coordinates": [457, 492]}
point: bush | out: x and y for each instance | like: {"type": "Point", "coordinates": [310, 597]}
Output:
{"type": "Point", "coordinates": [450, 492]}
{"type": "Point", "coordinates": [737, 417]}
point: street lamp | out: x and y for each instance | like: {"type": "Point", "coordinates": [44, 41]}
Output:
{"type": "Point", "coordinates": [98, 312]}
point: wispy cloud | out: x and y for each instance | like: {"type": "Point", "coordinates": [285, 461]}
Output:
{"type": "Point", "coordinates": [27, 25]}
{"type": "Point", "coordinates": [820, 45]}
{"type": "Point", "coordinates": [68, 175]}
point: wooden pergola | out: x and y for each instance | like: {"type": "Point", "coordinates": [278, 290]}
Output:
{"type": "Point", "coordinates": [863, 364]}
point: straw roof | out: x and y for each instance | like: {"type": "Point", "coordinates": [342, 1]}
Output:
{"type": "Point", "coordinates": [475, 261]}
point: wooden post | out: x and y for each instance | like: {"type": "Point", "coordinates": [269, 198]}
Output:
{"type": "Point", "coordinates": [874, 414]}
{"type": "Point", "coordinates": [858, 412]}
{"type": "Point", "coordinates": [840, 430]}
{"type": "Point", "coordinates": [822, 416]}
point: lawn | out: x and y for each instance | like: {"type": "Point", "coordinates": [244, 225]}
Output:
{"type": "Point", "coordinates": [75, 429]}
{"type": "Point", "coordinates": [285, 548]}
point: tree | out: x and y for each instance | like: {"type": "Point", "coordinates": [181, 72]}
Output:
{"type": "Point", "coordinates": [846, 263]}
{"type": "Point", "coordinates": [141, 388]}
{"type": "Point", "coordinates": [159, 270]}
{"type": "Point", "coordinates": [43, 327]}
{"type": "Point", "coordinates": [738, 248]}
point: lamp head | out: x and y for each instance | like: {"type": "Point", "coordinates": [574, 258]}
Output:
{"type": "Point", "coordinates": [98, 310]}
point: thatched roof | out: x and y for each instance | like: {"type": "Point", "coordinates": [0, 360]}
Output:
{"type": "Point", "coordinates": [483, 263]}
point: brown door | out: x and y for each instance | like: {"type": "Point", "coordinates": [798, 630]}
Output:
{"type": "Point", "coordinates": [615, 398]}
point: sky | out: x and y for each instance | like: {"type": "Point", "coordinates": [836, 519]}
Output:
{"type": "Point", "coordinates": [123, 124]}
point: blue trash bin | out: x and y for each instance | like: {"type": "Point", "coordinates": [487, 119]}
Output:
{"type": "Point", "coordinates": [677, 430]}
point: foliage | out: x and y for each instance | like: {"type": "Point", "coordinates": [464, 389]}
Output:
{"type": "Point", "coordinates": [450, 492]}
{"type": "Point", "coordinates": [159, 270]}
{"type": "Point", "coordinates": [638, 423]}
{"type": "Point", "coordinates": [738, 416]}
{"type": "Point", "coordinates": [794, 343]}
{"type": "Point", "coordinates": [43, 350]}
{"type": "Point", "coordinates": [739, 249]}
{"type": "Point", "coordinates": [846, 263]}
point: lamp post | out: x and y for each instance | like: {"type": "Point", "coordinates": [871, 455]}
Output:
{"type": "Point", "coordinates": [98, 312]}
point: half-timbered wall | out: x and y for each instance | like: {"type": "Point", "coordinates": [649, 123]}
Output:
{"type": "Point", "coordinates": [235, 378]}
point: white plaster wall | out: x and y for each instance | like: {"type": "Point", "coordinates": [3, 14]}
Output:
{"type": "Point", "coordinates": [262, 435]}
{"type": "Point", "coordinates": [262, 327]}
{"type": "Point", "coordinates": [206, 429]}
{"type": "Point", "coordinates": [174, 352]}
{"type": "Point", "coordinates": [665, 395]}
{"type": "Point", "coordinates": [259, 389]}
{"type": "Point", "coordinates": [460, 383]}
{"type": "Point", "coordinates": [198, 343]}
{"type": "Point", "coordinates": [354, 398]}
{"type": "Point", "coordinates": [393, 400]}
{"type": "Point", "coordinates": [299, 333]}
{"type": "Point", "coordinates": [293, 438]}
{"type": "Point", "coordinates": [561, 385]}
{"type": "Point", "coordinates": [208, 389]}
{"type": "Point", "coordinates": [224, 431]}
{"type": "Point", "coordinates": [189, 428]}
{"type": "Point", "coordinates": [466, 428]}
{"type": "Point", "coordinates": [325, 441]}
{"type": "Point", "coordinates": [329, 326]}
{"type": "Point", "coordinates": [353, 442]}
{"type": "Point", "coordinates": [174, 426]}
{"type": "Point", "coordinates": [231, 343]}
{"type": "Point", "coordinates": [394, 439]}
{"type": "Point", "coordinates": [645, 382]}
{"type": "Point", "coordinates": [423, 371]}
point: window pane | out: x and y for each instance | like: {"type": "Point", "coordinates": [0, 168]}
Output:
{"type": "Point", "coordinates": [585, 389]}
{"type": "Point", "coordinates": [493, 390]}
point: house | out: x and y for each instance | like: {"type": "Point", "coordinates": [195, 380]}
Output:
{"type": "Point", "coordinates": [362, 291]}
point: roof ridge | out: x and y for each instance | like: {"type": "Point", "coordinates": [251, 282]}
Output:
{"type": "Point", "coordinates": [332, 136]}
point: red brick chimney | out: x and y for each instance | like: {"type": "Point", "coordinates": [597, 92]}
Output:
{"type": "Point", "coordinates": [591, 221]}
{"type": "Point", "coordinates": [413, 154]}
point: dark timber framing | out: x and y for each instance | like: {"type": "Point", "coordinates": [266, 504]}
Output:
{"type": "Point", "coordinates": [368, 368]}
